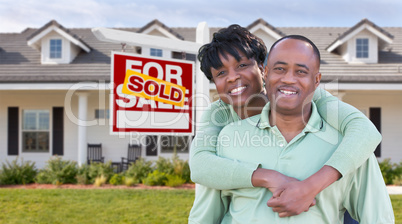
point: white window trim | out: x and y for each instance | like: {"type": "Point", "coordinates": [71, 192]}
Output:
{"type": "Point", "coordinates": [20, 130]}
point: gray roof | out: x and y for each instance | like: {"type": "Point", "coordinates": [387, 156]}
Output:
{"type": "Point", "coordinates": [20, 63]}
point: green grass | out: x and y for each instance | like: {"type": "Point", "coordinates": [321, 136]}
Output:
{"type": "Point", "coordinates": [94, 206]}
{"type": "Point", "coordinates": [397, 206]}
{"type": "Point", "coordinates": [106, 206]}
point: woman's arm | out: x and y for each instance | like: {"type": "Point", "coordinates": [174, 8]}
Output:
{"type": "Point", "coordinates": [206, 167]}
{"type": "Point", "coordinates": [360, 139]}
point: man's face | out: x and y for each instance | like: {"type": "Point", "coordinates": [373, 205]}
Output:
{"type": "Point", "coordinates": [238, 81]}
{"type": "Point", "coordinates": [293, 75]}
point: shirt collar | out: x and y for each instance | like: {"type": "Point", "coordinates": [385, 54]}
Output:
{"type": "Point", "coordinates": [314, 124]}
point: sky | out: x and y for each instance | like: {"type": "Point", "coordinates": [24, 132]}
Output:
{"type": "Point", "coordinates": [17, 15]}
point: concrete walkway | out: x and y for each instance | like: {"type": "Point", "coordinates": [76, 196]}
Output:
{"type": "Point", "coordinates": [394, 189]}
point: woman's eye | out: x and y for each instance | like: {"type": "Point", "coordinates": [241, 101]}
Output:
{"type": "Point", "coordinates": [219, 73]}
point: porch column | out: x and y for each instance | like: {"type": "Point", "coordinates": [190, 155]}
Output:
{"type": "Point", "coordinates": [82, 127]}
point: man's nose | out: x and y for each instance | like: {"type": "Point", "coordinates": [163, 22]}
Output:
{"type": "Point", "coordinates": [289, 77]}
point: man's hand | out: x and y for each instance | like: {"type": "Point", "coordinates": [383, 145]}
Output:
{"type": "Point", "coordinates": [292, 199]}
{"type": "Point", "coordinates": [290, 196]}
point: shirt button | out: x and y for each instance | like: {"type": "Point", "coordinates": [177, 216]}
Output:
{"type": "Point", "coordinates": [281, 145]}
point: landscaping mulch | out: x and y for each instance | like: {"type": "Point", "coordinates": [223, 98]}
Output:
{"type": "Point", "coordinates": [90, 186]}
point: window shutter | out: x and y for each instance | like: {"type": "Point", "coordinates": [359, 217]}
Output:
{"type": "Point", "coordinates": [375, 117]}
{"type": "Point", "coordinates": [152, 145]}
{"type": "Point", "coordinates": [58, 131]}
{"type": "Point", "coordinates": [13, 126]}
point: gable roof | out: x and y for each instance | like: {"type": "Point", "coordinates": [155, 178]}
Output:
{"type": "Point", "coordinates": [363, 24]}
{"type": "Point", "coordinates": [53, 25]}
{"type": "Point", "coordinates": [268, 28]}
{"type": "Point", "coordinates": [20, 63]}
{"type": "Point", "coordinates": [156, 24]}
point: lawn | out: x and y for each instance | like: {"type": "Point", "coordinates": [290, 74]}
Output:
{"type": "Point", "coordinates": [94, 206]}
{"type": "Point", "coordinates": [105, 206]}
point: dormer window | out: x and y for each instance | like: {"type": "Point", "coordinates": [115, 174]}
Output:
{"type": "Point", "coordinates": [156, 52]}
{"type": "Point", "coordinates": [362, 48]}
{"type": "Point", "coordinates": [55, 48]}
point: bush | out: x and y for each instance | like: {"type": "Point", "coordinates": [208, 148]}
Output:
{"type": "Point", "coordinates": [100, 181]}
{"type": "Point", "coordinates": [58, 171]}
{"type": "Point", "coordinates": [117, 179]}
{"type": "Point", "coordinates": [139, 170]}
{"type": "Point", "coordinates": [100, 169]}
{"type": "Point", "coordinates": [130, 181]}
{"type": "Point", "coordinates": [83, 174]}
{"type": "Point", "coordinates": [164, 165]}
{"type": "Point", "coordinates": [18, 173]}
{"type": "Point", "coordinates": [174, 180]}
{"type": "Point", "coordinates": [390, 171]}
{"type": "Point", "coordinates": [156, 178]}
{"type": "Point", "coordinates": [181, 168]}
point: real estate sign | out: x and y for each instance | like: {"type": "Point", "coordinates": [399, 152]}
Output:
{"type": "Point", "coordinates": [151, 95]}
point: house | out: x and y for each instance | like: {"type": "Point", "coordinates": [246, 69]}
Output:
{"type": "Point", "coordinates": [54, 86]}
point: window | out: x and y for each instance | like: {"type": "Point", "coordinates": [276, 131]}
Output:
{"type": "Point", "coordinates": [35, 131]}
{"type": "Point", "coordinates": [362, 48]}
{"type": "Point", "coordinates": [55, 48]}
{"type": "Point", "coordinates": [174, 143]}
{"type": "Point", "coordinates": [156, 52]}
{"type": "Point", "coordinates": [101, 114]}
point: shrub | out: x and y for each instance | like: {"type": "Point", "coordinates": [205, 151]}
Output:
{"type": "Point", "coordinates": [390, 171]}
{"type": "Point", "coordinates": [100, 181]}
{"type": "Point", "coordinates": [155, 178]}
{"type": "Point", "coordinates": [83, 174]}
{"type": "Point", "coordinates": [58, 171]}
{"type": "Point", "coordinates": [130, 181]}
{"type": "Point", "coordinates": [117, 179]}
{"type": "Point", "coordinates": [139, 170]}
{"type": "Point", "coordinates": [164, 165]}
{"type": "Point", "coordinates": [181, 168]}
{"type": "Point", "coordinates": [98, 169]}
{"type": "Point", "coordinates": [174, 180]}
{"type": "Point", "coordinates": [18, 173]}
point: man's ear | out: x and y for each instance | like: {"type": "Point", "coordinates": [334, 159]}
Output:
{"type": "Point", "coordinates": [317, 79]}
{"type": "Point", "coordinates": [265, 72]}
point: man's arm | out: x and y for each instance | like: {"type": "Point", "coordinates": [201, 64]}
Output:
{"type": "Point", "coordinates": [368, 200]}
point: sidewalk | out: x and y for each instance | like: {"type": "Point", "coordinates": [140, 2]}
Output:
{"type": "Point", "coordinates": [394, 189]}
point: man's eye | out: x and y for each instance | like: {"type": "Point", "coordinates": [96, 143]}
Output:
{"type": "Point", "coordinates": [302, 72]}
{"type": "Point", "coordinates": [242, 65]}
{"type": "Point", "coordinates": [278, 69]}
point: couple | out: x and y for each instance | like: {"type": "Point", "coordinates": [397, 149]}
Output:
{"type": "Point", "coordinates": [274, 160]}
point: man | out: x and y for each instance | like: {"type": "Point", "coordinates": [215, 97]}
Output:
{"type": "Point", "coordinates": [289, 136]}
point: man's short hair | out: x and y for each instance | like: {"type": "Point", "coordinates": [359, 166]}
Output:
{"type": "Point", "coordinates": [302, 38]}
{"type": "Point", "coordinates": [229, 41]}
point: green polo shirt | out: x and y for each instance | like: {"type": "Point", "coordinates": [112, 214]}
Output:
{"type": "Point", "coordinates": [253, 140]}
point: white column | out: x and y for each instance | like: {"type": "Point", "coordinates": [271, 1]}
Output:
{"type": "Point", "coordinates": [82, 126]}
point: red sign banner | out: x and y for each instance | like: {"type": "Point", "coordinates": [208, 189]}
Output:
{"type": "Point", "coordinates": [151, 95]}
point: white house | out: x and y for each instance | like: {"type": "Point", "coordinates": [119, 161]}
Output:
{"type": "Point", "coordinates": [54, 86]}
